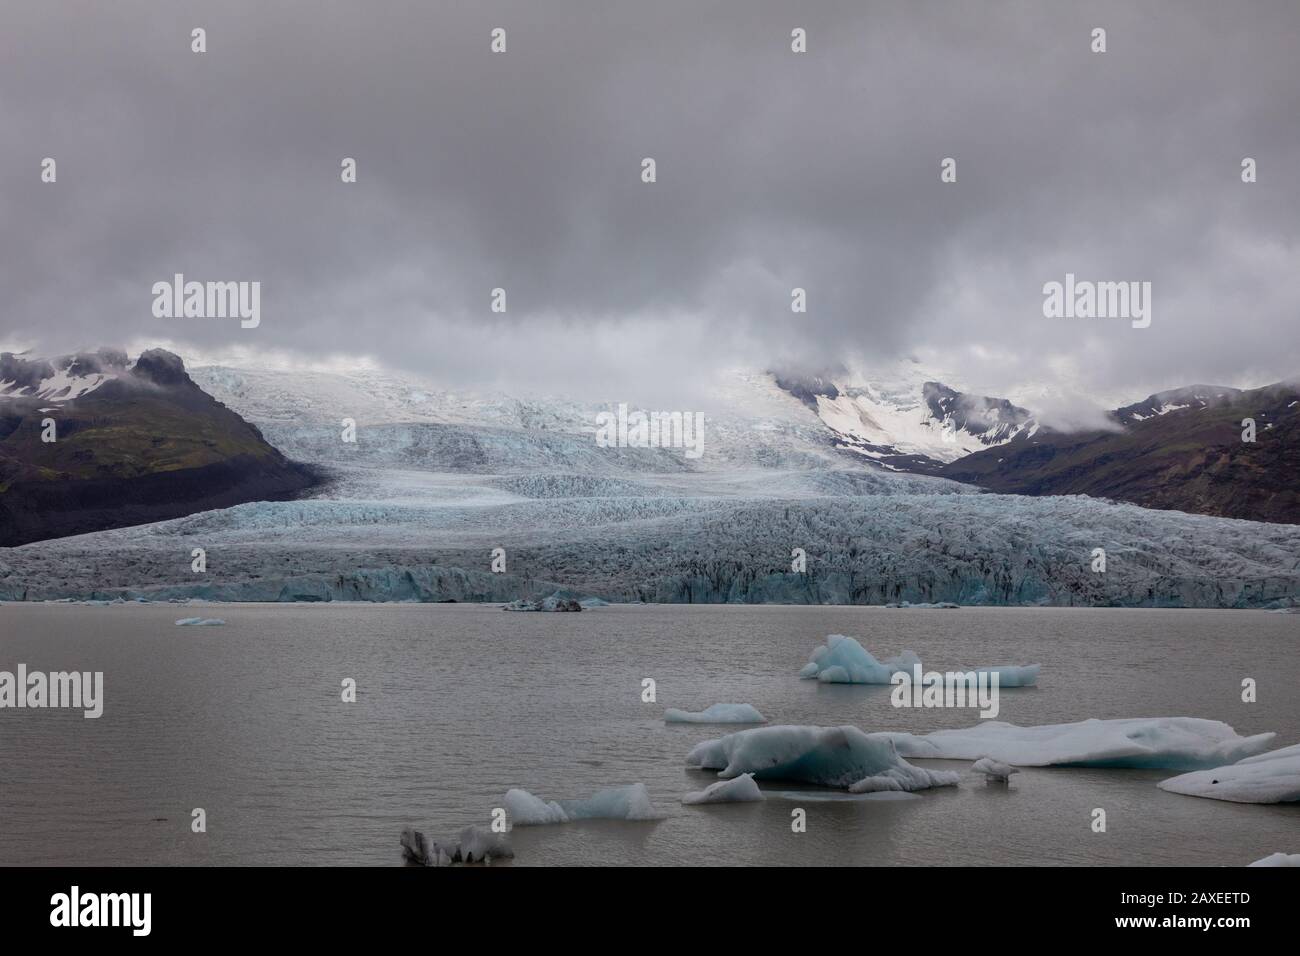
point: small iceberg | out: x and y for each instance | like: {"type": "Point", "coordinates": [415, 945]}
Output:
{"type": "Point", "coordinates": [200, 622]}
{"type": "Point", "coordinates": [717, 714]}
{"type": "Point", "coordinates": [552, 603]}
{"type": "Point", "coordinates": [923, 605]}
{"type": "Point", "coordinates": [842, 660]}
{"type": "Point", "coordinates": [1278, 859]}
{"type": "Point", "coordinates": [740, 789]}
{"type": "Point", "coordinates": [994, 771]}
{"type": "Point", "coordinates": [1172, 743]}
{"type": "Point", "coordinates": [1272, 777]}
{"type": "Point", "coordinates": [842, 757]}
{"type": "Point", "coordinates": [476, 845]}
{"type": "Point", "coordinates": [617, 803]}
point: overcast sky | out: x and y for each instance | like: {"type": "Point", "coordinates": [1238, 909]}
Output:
{"type": "Point", "coordinates": [522, 170]}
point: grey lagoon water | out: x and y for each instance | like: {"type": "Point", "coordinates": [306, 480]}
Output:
{"type": "Point", "coordinates": [458, 703]}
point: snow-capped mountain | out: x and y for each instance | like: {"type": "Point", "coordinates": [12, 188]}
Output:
{"type": "Point", "coordinates": [911, 425]}
{"type": "Point", "coordinates": [1175, 400]}
{"type": "Point", "coordinates": [94, 441]}
{"type": "Point", "coordinates": [60, 379]}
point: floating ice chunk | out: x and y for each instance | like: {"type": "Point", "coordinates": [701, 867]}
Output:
{"type": "Point", "coordinates": [617, 803]}
{"type": "Point", "coordinates": [717, 714]}
{"type": "Point", "coordinates": [201, 622]}
{"type": "Point", "coordinates": [830, 756]}
{"type": "Point", "coordinates": [553, 602]}
{"type": "Point", "coordinates": [1011, 675]}
{"type": "Point", "coordinates": [1272, 777]}
{"type": "Point", "coordinates": [525, 810]}
{"type": "Point", "coordinates": [842, 660]}
{"type": "Point", "coordinates": [740, 789]}
{"type": "Point", "coordinates": [476, 845]}
{"type": "Point", "coordinates": [1178, 743]}
{"type": "Point", "coordinates": [1278, 859]}
{"type": "Point", "coordinates": [994, 769]}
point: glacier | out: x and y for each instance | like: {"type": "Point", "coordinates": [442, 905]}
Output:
{"type": "Point", "coordinates": [436, 481]}
{"type": "Point", "coordinates": [842, 757]}
{"type": "Point", "coordinates": [1272, 777]}
{"type": "Point", "coordinates": [616, 803]}
{"type": "Point", "coordinates": [716, 714]}
{"type": "Point", "coordinates": [1173, 743]}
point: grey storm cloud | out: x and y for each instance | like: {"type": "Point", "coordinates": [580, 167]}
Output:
{"type": "Point", "coordinates": [522, 170]}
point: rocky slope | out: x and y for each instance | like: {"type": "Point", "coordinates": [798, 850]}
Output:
{"type": "Point", "coordinates": [132, 443]}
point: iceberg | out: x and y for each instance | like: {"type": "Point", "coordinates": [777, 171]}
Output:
{"type": "Point", "coordinates": [553, 602]}
{"type": "Point", "coordinates": [842, 660]}
{"type": "Point", "coordinates": [843, 757]}
{"type": "Point", "coordinates": [1272, 777]}
{"type": "Point", "coordinates": [200, 622]}
{"type": "Point", "coordinates": [994, 770]}
{"type": "Point", "coordinates": [1175, 743]}
{"type": "Point", "coordinates": [717, 714]}
{"type": "Point", "coordinates": [617, 803]}
{"type": "Point", "coordinates": [1278, 859]}
{"type": "Point", "coordinates": [476, 845]}
{"type": "Point", "coordinates": [740, 789]}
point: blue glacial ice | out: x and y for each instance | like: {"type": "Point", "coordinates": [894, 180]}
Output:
{"type": "Point", "coordinates": [617, 803]}
{"type": "Point", "coordinates": [842, 660]}
{"type": "Point", "coordinates": [1272, 777]}
{"type": "Point", "coordinates": [740, 789]}
{"type": "Point", "coordinates": [716, 714]}
{"type": "Point", "coordinates": [1174, 743]}
{"type": "Point", "coordinates": [843, 757]}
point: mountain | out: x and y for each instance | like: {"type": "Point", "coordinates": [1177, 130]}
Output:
{"type": "Point", "coordinates": [909, 425]}
{"type": "Point", "coordinates": [132, 442]}
{"type": "Point", "coordinates": [1181, 450]}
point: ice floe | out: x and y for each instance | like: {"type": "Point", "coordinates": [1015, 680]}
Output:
{"type": "Point", "coordinates": [1272, 777]}
{"type": "Point", "coordinates": [740, 789]}
{"type": "Point", "coordinates": [617, 803]}
{"type": "Point", "coordinates": [1278, 859]}
{"type": "Point", "coordinates": [476, 845]}
{"type": "Point", "coordinates": [200, 622]}
{"type": "Point", "coordinates": [1177, 743]}
{"type": "Point", "coordinates": [842, 660]}
{"type": "Point", "coordinates": [842, 757]}
{"type": "Point", "coordinates": [717, 714]}
{"type": "Point", "coordinates": [994, 770]}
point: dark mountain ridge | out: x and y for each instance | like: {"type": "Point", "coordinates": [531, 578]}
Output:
{"type": "Point", "coordinates": [132, 444]}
